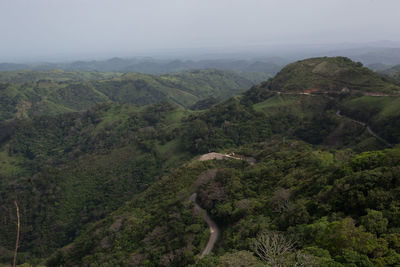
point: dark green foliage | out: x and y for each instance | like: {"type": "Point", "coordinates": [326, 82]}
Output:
{"type": "Point", "coordinates": [110, 186]}
{"type": "Point", "coordinates": [78, 167]}
{"type": "Point", "coordinates": [204, 104]}
{"type": "Point", "coordinates": [153, 229]}
{"type": "Point", "coordinates": [242, 199]}
{"type": "Point", "coordinates": [374, 222]}
{"type": "Point", "coordinates": [227, 125]}
{"type": "Point", "coordinates": [316, 131]}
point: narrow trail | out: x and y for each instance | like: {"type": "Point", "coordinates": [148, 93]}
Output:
{"type": "Point", "coordinates": [374, 94]}
{"type": "Point", "coordinates": [315, 93]}
{"type": "Point", "coordinates": [365, 125]}
{"type": "Point", "coordinates": [214, 230]}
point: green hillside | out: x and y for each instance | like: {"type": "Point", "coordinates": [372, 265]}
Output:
{"type": "Point", "coordinates": [393, 72]}
{"type": "Point", "coordinates": [371, 99]}
{"type": "Point", "coordinates": [329, 74]}
{"type": "Point", "coordinates": [25, 94]}
{"type": "Point", "coordinates": [322, 203]}
{"type": "Point", "coordinates": [110, 185]}
{"type": "Point", "coordinates": [69, 170]}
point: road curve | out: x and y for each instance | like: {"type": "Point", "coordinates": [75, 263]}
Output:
{"type": "Point", "coordinates": [214, 230]}
{"type": "Point", "coordinates": [368, 129]}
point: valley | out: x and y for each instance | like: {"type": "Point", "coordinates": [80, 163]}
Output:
{"type": "Point", "coordinates": [195, 168]}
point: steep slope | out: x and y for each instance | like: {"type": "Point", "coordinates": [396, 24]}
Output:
{"type": "Point", "coordinates": [357, 92]}
{"type": "Point", "coordinates": [73, 169]}
{"type": "Point", "coordinates": [315, 197]}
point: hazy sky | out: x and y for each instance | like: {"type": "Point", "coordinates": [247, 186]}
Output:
{"type": "Point", "coordinates": [34, 28]}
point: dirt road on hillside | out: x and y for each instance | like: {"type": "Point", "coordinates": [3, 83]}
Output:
{"type": "Point", "coordinates": [365, 125]}
{"type": "Point", "coordinates": [219, 156]}
{"type": "Point", "coordinates": [214, 230]}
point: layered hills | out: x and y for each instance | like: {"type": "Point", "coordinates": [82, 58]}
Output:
{"type": "Point", "coordinates": [150, 65]}
{"type": "Point", "coordinates": [112, 185]}
{"type": "Point", "coordinates": [28, 93]}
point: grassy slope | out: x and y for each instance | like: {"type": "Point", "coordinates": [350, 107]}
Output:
{"type": "Point", "coordinates": [54, 75]}
{"type": "Point", "coordinates": [26, 94]}
{"type": "Point", "coordinates": [381, 113]}
{"type": "Point", "coordinates": [329, 74]}
{"type": "Point", "coordinates": [333, 74]}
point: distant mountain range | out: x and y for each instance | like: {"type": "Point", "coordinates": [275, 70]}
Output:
{"type": "Point", "coordinates": [152, 66]}
{"type": "Point", "coordinates": [377, 56]}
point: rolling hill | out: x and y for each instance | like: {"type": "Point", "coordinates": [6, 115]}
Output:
{"type": "Point", "coordinates": [329, 74]}
{"type": "Point", "coordinates": [393, 72]}
{"type": "Point", "coordinates": [111, 185]}
{"type": "Point", "coordinates": [26, 94]}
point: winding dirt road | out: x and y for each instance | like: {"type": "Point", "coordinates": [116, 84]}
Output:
{"type": "Point", "coordinates": [214, 230]}
{"type": "Point", "coordinates": [365, 125]}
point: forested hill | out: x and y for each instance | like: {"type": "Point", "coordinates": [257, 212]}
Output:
{"type": "Point", "coordinates": [329, 74]}
{"type": "Point", "coordinates": [393, 72]}
{"type": "Point", "coordinates": [26, 94]}
{"type": "Point", "coordinates": [110, 186]}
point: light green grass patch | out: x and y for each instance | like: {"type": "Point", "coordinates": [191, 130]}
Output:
{"type": "Point", "coordinates": [387, 105]}
{"type": "Point", "coordinates": [9, 166]}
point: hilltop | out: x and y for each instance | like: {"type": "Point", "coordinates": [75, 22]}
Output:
{"type": "Point", "coordinates": [329, 74]}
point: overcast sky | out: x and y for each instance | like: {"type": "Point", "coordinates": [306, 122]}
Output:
{"type": "Point", "coordinates": [40, 28]}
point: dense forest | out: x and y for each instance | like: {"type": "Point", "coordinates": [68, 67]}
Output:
{"type": "Point", "coordinates": [104, 167]}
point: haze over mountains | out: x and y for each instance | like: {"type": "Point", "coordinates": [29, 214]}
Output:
{"type": "Point", "coordinates": [199, 133]}
{"type": "Point", "coordinates": [62, 30]}
{"type": "Point", "coordinates": [269, 59]}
